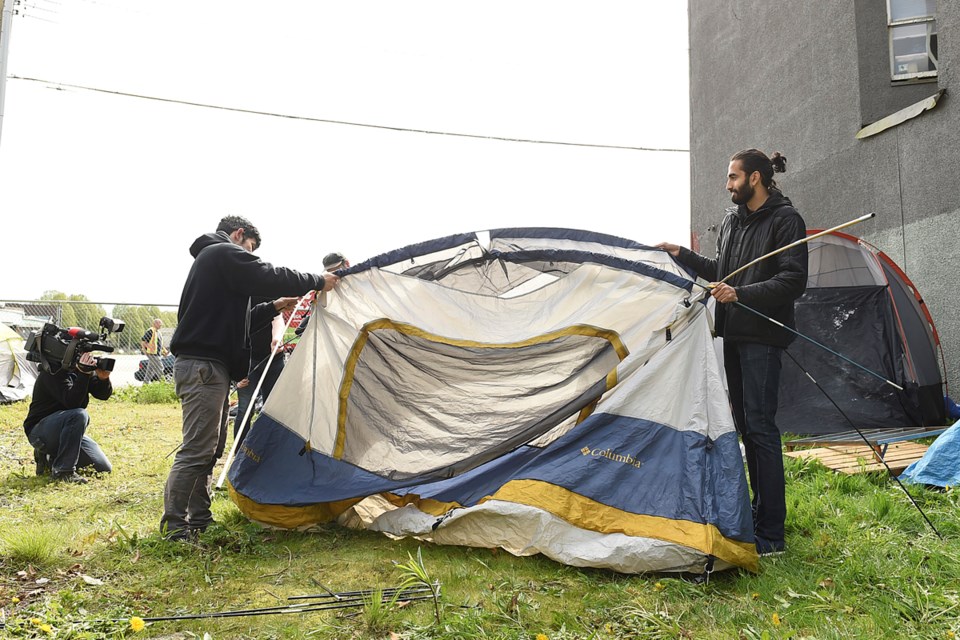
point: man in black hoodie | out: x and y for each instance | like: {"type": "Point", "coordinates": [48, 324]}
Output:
{"type": "Point", "coordinates": [763, 220]}
{"type": "Point", "coordinates": [211, 344]}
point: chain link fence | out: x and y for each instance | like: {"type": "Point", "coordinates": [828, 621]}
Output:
{"type": "Point", "coordinates": [130, 368]}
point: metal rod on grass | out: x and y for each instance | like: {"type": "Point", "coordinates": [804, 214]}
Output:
{"type": "Point", "coordinates": [266, 611]}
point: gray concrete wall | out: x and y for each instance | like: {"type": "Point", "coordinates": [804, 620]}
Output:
{"type": "Point", "coordinates": [785, 76]}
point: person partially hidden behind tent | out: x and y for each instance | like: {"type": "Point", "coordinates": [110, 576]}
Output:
{"type": "Point", "coordinates": [331, 262]}
{"type": "Point", "coordinates": [762, 221]}
{"type": "Point", "coordinates": [211, 348]}
{"type": "Point", "coordinates": [263, 341]}
{"type": "Point", "coordinates": [57, 421]}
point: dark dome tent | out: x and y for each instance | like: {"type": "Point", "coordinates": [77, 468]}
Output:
{"type": "Point", "coordinates": [861, 304]}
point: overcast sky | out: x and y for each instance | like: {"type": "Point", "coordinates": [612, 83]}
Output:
{"type": "Point", "coordinates": [102, 194]}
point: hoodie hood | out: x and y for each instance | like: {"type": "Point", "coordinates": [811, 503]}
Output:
{"type": "Point", "coordinates": [206, 240]}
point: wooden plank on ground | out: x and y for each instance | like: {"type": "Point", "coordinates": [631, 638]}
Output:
{"type": "Point", "coordinates": [876, 437]}
{"type": "Point", "coordinates": [851, 459]}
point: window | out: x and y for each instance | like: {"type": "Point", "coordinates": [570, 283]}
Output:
{"type": "Point", "coordinates": [912, 29]}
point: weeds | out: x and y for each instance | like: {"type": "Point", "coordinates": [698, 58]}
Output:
{"type": "Point", "coordinates": [157, 392]}
{"type": "Point", "coordinates": [34, 544]}
{"type": "Point", "coordinates": [415, 574]}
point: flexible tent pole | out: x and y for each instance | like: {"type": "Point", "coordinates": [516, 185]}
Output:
{"type": "Point", "coordinates": [244, 421]}
{"type": "Point", "coordinates": [802, 241]}
{"type": "Point", "coordinates": [822, 346]}
{"type": "Point", "coordinates": [849, 223]}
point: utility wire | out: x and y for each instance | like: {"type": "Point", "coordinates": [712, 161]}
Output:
{"type": "Point", "coordinates": [343, 122]}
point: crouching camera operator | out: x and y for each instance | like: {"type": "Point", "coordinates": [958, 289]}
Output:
{"type": "Point", "coordinates": [57, 421]}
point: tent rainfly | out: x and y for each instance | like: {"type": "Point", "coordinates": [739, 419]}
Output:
{"type": "Point", "coordinates": [540, 390]}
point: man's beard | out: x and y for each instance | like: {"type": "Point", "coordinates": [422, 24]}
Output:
{"type": "Point", "coordinates": [743, 194]}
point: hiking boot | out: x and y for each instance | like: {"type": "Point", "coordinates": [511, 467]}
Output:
{"type": "Point", "coordinates": [70, 476]}
{"type": "Point", "coordinates": [767, 548]}
{"type": "Point", "coordinates": [43, 462]}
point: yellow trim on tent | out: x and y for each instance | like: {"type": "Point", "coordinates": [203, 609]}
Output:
{"type": "Point", "coordinates": [571, 507]}
{"type": "Point", "coordinates": [408, 329]}
{"type": "Point", "coordinates": [427, 505]}
{"type": "Point", "coordinates": [589, 514]}
{"type": "Point", "coordinates": [277, 515]}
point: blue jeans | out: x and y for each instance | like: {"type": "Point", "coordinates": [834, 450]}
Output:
{"type": "Point", "coordinates": [245, 395]}
{"type": "Point", "coordinates": [61, 436]}
{"type": "Point", "coordinates": [753, 379]}
{"type": "Point", "coordinates": [202, 386]}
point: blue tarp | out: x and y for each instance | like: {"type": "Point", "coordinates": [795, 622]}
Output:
{"type": "Point", "coordinates": [940, 465]}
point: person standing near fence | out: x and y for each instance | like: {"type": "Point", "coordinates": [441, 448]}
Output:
{"type": "Point", "coordinates": [210, 343]}
{"type": "Point", "coordinates": [152, 345]}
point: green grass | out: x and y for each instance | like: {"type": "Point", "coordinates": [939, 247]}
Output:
{"type": "Point", "coordinates": [861, 563]}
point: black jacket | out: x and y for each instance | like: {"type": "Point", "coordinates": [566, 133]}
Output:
{"type": "Point", "coordinates": [213, 321]}
{"type": "Point", "coordinates": [771, 285]}
{"type": "Point", "coordinates": [67, 389]}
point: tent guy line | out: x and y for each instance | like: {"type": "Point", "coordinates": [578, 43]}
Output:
{"type": "Point", "coordinates": [63, 85]}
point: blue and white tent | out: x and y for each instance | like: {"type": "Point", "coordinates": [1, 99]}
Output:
{"type": "Point", "coordinates": [540, 390]}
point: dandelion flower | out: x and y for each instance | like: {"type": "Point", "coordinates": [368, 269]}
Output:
{"type": "Point", "coordinates": [542, 636]}
{"type": "Point", "coordinates": [36, 621]}
{"type": "Point", "coordinates": [755, 595]}
{"type": "Point", "coordinates": [776, 619]}
{"type": "Point", "coordinates": [14, 599]}
{"type": "Point", "coordinates": [46, 628]}
{"type": "Point", "coordinates": [659, 586]}
{"type": "Point", "coordinates": [137, 623]}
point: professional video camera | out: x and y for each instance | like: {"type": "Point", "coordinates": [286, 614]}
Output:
{"type": "Point", "coordinates": [55, 348]}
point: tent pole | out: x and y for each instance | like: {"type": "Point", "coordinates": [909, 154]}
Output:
{"type": "Point", "coordinates": [812, 341]}
{"type": "Point", "coordinates": [822, 346]}
{"type": "Point", "coordinates": [849, 223]}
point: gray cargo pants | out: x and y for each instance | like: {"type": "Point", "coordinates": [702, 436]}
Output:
{"type": "Point", "coordinates": [203, 387]}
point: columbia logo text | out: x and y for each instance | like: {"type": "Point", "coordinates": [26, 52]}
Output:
{"type": "Point", "coordinates": [612, 455]}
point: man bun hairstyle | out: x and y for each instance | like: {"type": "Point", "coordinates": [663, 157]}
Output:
{"type": "Point", "coordinates": [229, 224]}
{"type": "Point", "coordinates": [755, 160]}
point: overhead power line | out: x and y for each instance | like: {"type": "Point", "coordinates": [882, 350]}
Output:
{"type": "Point", "coordinates": [271, 114]}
